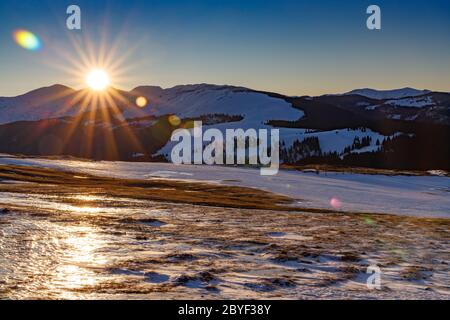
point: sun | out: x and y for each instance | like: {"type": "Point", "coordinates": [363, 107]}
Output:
{"type": "Point", "coordinates": [98, 80]}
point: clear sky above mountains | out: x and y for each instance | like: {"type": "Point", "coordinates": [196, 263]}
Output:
{"type": "Point", "coordinates": [291, 47]}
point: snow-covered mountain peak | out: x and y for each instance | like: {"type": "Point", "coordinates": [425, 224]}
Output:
{"type": "Point", "coordinates": [195, 100]}
{"type": "Point", "coordinates": [56, 89]}
{"type": "Point", "coordinates": [198, 100]}
{"type": "Point", "coordinates": [388, 94]}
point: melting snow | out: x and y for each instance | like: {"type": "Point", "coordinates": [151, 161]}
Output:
{"type": "Point", "coordinates": [403, 195]}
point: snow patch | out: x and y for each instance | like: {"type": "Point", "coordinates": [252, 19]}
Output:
{"type": "Point", "coordinates": [419, 102]}
{"type": "Point", "coordinates": [403, 195]}
{"type": "Point", "coordinates": [388, 94]}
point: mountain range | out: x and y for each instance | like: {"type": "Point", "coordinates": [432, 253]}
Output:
{"type": "Point", "coordinates": [362, 127]}
{"type": "Point", "coordinates": [388, 94]}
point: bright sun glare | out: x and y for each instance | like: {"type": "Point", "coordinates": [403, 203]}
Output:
{"type": "Point", "coordinates": [97, 80]}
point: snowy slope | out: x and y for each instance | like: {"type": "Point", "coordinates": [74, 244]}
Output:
{"type": "Point", "coordinates": [403, 195]}
{"type": "Point", "coordinates": [43, 103]}
{"type": "Point", "coordinates": [330, 141]}
{"type": "Point", "coordinates": [185, 101]}
{"type": "Point", "coordinates": [413, 102]}
{"type": "Point", "coordinates": [334, 140]}
{"type": "Point", "coordinates": [388, 94]}
{"type": "Point", "coordinates": [254, 109]}
{"type": "Point", "coordinates": [192, 101]}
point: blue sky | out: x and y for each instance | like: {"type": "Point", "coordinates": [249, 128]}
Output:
{"type": "Point", "coordinates": [292, 47]}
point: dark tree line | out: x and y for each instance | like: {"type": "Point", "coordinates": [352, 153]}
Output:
{"type": "Point", "coordinates": [359, 144]}
{"type": "Point", "coordinates": [308, 147]}
{"type": "Point", "coordinates": [407, 152]}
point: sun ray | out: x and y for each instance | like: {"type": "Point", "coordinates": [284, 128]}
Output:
{"type": "Point", "coordinates": [91, 127]}
{"type": "Point", "coordinates": [98, 65]}
{"type": "Point", "coordinates": [57, 95]}
{"type": "Point", "coordinates": [85, 100]}
{"type": "Point", "coordinates": [129, 132]}
{"type": "Point", "coordinates": [108, 134]}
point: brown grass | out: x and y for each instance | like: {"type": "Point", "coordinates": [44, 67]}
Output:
{"type": "Point", "coordinates": [60, 183]}
{"type": "Point", "coordinates": [358, 170]}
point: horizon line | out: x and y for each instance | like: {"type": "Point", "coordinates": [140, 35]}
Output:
{"type": "Point", "coordinates": [222, 85]}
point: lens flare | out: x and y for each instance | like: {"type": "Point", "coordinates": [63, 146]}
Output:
{"type": "Point", "coordinates": [369, 221]}
{"type": "Point", "coordinates": [27, 40]}
{"type": "Point", "coordinates": [174, 120]}
{"type": "Point", "coordinates": [141, 102]}
{"type": "Point", "coordinates": [336, 203]}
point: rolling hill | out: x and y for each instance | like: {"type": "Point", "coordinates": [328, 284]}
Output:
{"type": "Point", "coordinates": [363, 127]}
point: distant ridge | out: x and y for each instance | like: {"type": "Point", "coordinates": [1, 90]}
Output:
{"type": "Point", "coordinates": [393, 129]}
{"type": "Point", "coordinates": [388, 94]}
{"type": "Point", "coordinates": [196, 100]}
{"type": "Point", "coordinates": [56, 88]}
